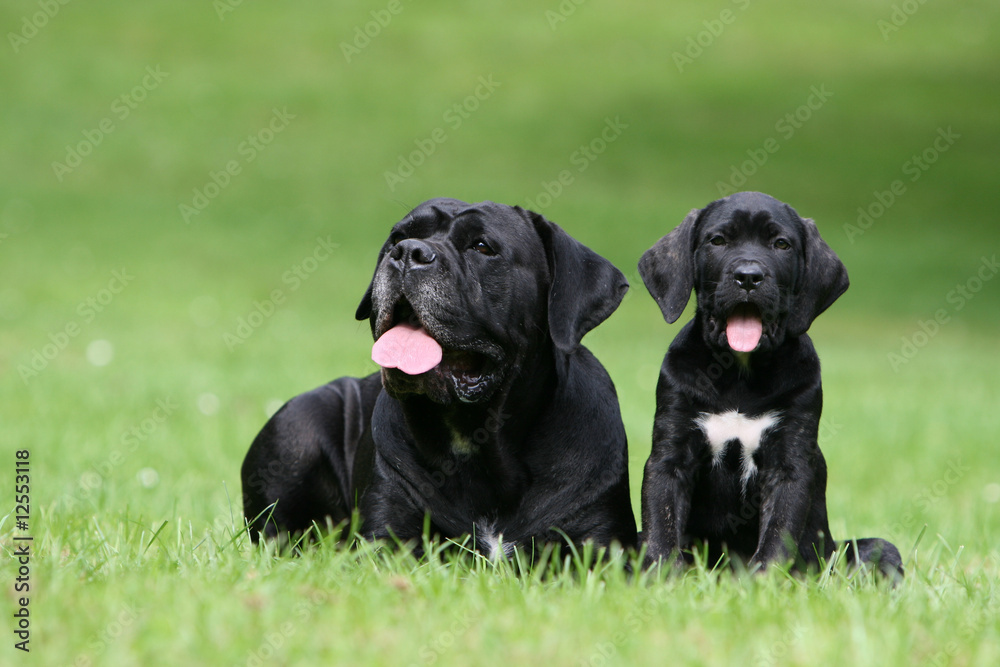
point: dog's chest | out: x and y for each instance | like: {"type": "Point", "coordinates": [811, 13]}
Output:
{"type": "Point", "coordinates": [489, 541]}
{"type": "Point", "coordinates": [733, 428]}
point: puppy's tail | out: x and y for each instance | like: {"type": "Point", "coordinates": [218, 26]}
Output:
{"type": "Point", "coordinates": [879, 553]}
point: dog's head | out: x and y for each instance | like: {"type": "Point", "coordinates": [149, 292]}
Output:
{"type": "Point", "coordinates": [760, 271]}
{"type": "Point", "coordinates": [464, 294]}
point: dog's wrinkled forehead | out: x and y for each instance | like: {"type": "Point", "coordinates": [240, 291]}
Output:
{"type": "Point", "coordinates": [429, 217]}
{"type": "Point", "coordinates": [751, 214]}
{"type": "Point", "coordinates": [503, 226]}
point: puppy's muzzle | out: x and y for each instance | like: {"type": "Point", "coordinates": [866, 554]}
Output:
{"type": "Point", "coordinates": [748, 275]}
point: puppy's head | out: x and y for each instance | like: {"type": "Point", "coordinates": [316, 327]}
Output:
{"type": "Point", "coordinates": [464, 294]}
{"type": "Point", "coordinates": [760, 271]}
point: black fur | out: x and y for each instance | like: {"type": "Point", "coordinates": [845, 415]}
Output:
{"type": "Point", "coordinates": [514, 438]}
{"type": "Point", "coordinates": [752, 252]}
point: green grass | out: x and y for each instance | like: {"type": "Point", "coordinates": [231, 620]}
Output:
{"type": "Point", "coordinates": [337, 606]}
{"type": "Point", "coordinates": [138, 557]}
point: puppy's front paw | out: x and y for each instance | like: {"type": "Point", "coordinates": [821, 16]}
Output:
{"type": "Point", "coordinates": [678, 563]}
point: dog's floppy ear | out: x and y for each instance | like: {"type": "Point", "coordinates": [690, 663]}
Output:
{"type": "Point", "coordinates": [364, 310]}
{"type": "Point", "coordinates": [823, 280]}
{"type": "Point", "coordinates": [365, 307]}
{"type": "Point", "coordinates": [586, 288]}
{"type": "Point", "coordinates": [667, 268]}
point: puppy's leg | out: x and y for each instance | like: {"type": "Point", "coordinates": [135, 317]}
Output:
{"type": "Point", "coordinates": [299, 468]}
{"type": "Point", "coordinates": [877, 552]}
{"type": "Point", "coordinates": [668, 478]}
{"type": "Point", "coordinates": [666, 506]}
{"type": "Point", "coordinates": [816, 543]}
{"type": "Point", "coordinates": [785, 506]}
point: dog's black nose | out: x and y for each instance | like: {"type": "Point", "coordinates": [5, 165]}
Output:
{"type": "Point", "coordinates": [749, 276]}
{"type": "Point", "coordinates": [413, 253]}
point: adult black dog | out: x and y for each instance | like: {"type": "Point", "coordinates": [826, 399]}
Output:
{"type": "Point", "coordinates": [489, 418]}
{"type": "Point", "coordinates": [735, 461]}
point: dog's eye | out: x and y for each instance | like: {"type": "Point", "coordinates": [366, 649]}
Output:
{"type": "Point", "coordinates": [718, 239]}
{"type": "Point", "coordinates": [483, 248]}
{"type": "Point", "coordinates": [782, 244]}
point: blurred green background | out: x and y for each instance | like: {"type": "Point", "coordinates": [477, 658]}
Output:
{"type": "Point", "coordinates": [613, 119]}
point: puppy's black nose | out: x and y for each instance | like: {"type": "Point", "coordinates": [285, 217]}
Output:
{"type": "Point", "coordinates": [749, 276]}
{"type": "Point", "coordinates": [413, 253]}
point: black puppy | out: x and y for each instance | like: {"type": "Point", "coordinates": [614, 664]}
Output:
{"type": "Point", "coordinates": [735, 461]}
{"type": "Point", "coordinates": [488, 417]}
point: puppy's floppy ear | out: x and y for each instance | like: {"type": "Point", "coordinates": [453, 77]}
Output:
{"type": "Point", "coordinates": [667, 268]}
{"type": "Point", "coordinates": [586, 288]}
{"type": "Point", "coordinates": [823, 280]}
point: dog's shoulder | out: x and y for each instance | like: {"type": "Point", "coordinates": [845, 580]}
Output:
{"type": "Point", "coordinates": [584, 398]}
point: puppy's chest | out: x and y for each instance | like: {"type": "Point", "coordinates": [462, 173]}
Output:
{"type": "Point", "coordinates": [733, 438]}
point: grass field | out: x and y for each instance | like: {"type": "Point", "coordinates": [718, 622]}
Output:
{"type": "Point", "coordinates": [172, 176]}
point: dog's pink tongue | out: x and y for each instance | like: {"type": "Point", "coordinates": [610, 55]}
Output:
{"type": "Point", "coordinates": [408, 348]}
{"type": "Point", "coordinates": [743, 330]}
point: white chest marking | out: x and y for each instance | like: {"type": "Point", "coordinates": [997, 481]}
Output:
{"type": "Point", "coordinates": [723, 428]}
{"type": "Point", "coordinates": [491, 542]}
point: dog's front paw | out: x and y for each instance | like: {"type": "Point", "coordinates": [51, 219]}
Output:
{"type": "Point", "coordinates": [757, 565]}
{"type": "Point", "coordinates": [760, 563]}
{"type": "Point", "coordinates": [673, 562]}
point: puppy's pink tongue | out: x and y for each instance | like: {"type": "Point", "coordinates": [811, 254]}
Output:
{"type": "Point", "coordinates": [408, 348]}
{"type": "Point", "coordinates": [743, 330]}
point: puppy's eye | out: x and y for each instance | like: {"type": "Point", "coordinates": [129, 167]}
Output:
{"type": "Point", "coordinates": [718, 239]}
{"type": "Point", "coordinates": [782, 244]}
{"type": "Point", "coordinates": [483, 248]}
